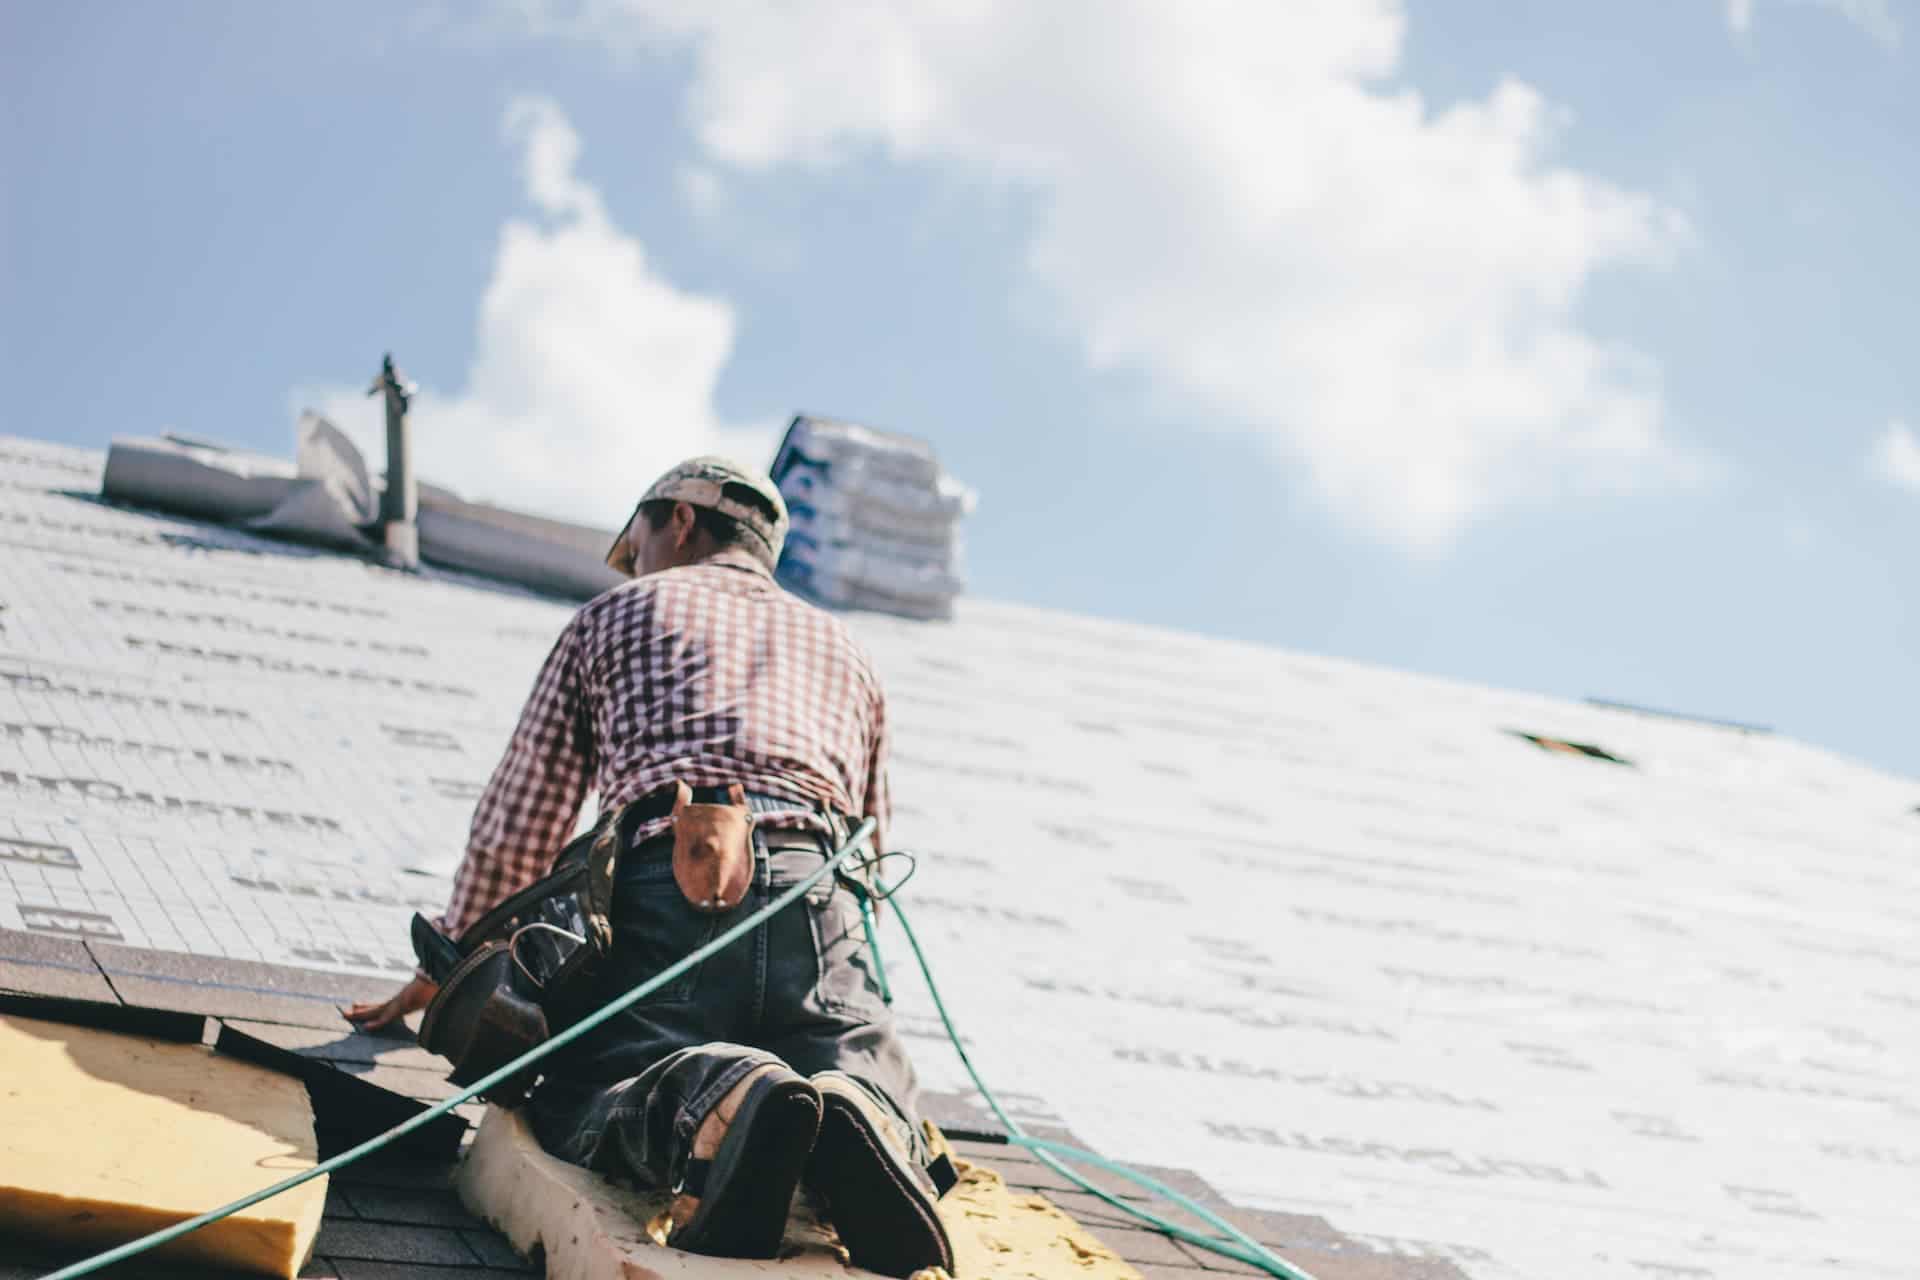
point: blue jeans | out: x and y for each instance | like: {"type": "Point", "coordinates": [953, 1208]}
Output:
{"type": "Point", "coordinates": [627, 1097]}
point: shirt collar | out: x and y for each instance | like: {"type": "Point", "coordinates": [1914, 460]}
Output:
{"type": "Point", "coordinates": [737, 558]}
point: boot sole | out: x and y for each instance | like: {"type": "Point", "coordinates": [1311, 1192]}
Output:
{"type": "Point", "coordinates": [885, 1220]}
{"type": "Point", "coordinates": [743, 1213]}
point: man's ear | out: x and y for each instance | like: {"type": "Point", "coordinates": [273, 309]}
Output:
{"type": "Point", "coordinates": [684, 527]}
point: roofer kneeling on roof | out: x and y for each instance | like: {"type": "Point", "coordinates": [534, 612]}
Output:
{"type": "Point", "coordinates": [700, 698]}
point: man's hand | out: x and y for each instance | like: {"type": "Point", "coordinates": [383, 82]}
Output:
{"type": "Point", "coordinates": [414, 996]}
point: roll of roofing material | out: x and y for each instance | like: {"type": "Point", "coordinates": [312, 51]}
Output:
{"type": "Point", "coordinates": [196, 478]}
{"type": "Point", "coordinates": [329, 499]}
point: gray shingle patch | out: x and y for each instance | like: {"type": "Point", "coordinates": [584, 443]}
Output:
{"type": "Point", "coordinates": [343, 1044]}
{"type": "Point", "coordinates": [1093, 1212]}
{"type": "Point", "coordinates": [63, 953]}
{"type": "Point", "coordinates": [234, 988]}
{"type": "Point", "coordinates": [239, 975]}
{"type": "Point", "coordinates": [1141, 1246]}
{"type": "Point", "coordinates": [399, 1172]}
{"type": "Point", "coordinates": [338, 1205]}
{"type": "Point", "coordinates": [423, 1085]}
{"type": "Point", "coordinates": [434, 1207]}
{"type": "Point", "coordinates": [492, 1248]}
{"type": "Point", "coordinates": [341, 1240]}
{"type": "Point", "coordinates": [362, 1269]}
{"type": "Point", "coordinates": [53, 979]}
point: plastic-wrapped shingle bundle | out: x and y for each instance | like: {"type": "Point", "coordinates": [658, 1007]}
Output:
{"type": "Point", "coordinates": [876, 521]}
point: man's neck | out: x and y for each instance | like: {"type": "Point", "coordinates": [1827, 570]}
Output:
{"type": "Point", "coordinates": [731, 558]}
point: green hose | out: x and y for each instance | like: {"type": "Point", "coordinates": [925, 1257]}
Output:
{"type": "Point", "coordinates": [1232, 1243]}
{"type": "Point", "coordinates": [873, 947]}
{"type": "Point", "coordinates": [620, 1004]}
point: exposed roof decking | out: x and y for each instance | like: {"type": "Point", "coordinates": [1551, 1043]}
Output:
{"type": "Point", "coordinates": [1321, 932]}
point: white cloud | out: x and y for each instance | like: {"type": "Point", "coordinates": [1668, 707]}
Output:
{"type": "Point", "coordinates": [1873, 17]}
{"type": "Point", "coordinates": [1896, 457]}
{"type": "Point", "coordinates": [1241, 202]}
{"type": "Point", "coordinates": [591, 373]}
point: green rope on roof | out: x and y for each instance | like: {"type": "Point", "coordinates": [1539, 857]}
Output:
{"type": "Point", "coordinates": [619, 1004]}
{"type": "Point", "coordinates": [1232, 1242]}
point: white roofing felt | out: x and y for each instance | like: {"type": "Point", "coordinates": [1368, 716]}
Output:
{"type": "Point", "coordinates": [1324, 933]}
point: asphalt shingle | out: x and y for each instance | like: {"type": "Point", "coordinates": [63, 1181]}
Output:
{"type": "Point", "coordinates": [237, 989]}
{"type": "Point", "coordinates": [342, 1239]}
{"type": "Point", "coordinates": [371, 1269]}
{"type": "Point", "coordinates": [492, 1248]}
{"type": "Point", "coordinates": [427, 1207]}
{"type": "Point", "coordinates": [344, 1044]}
{"type": "Point", "coordinates": [50, 966]}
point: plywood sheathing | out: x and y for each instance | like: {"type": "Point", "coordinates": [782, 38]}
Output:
{"type": "Point", "coordinates": [106, 1137]}
{"type": "Point", "coordinates": [591, 1229]}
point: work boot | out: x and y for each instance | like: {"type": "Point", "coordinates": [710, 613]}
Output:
{"type": "Point", "coordinates": [880, 1200]}
{"type": "Point", "coordinates": [748, 1155]}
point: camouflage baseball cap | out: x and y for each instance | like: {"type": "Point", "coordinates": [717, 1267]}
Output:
{"type": "Point", "coordinates": [703, 482]}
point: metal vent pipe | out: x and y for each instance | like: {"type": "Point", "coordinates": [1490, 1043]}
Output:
{"type": "Point", "coordinates": [400, 502]}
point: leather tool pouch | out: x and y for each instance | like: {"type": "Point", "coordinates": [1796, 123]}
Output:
{"type": "Point", "coordinates": [524, 968]}
{"type": "Point", "coordinates": [712, 846]}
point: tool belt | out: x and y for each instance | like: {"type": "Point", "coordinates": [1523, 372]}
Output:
{"type": "Point", "coordinates": [528, 967]}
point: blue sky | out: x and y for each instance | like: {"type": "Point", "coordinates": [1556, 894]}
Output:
{"type": "Point", "coordinates": [1557, 347]}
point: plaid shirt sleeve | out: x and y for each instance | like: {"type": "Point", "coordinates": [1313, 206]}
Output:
{"type": "Point", "coordinates": [533, 800]}
{"type": "Point", "coordinates": [878, 801]}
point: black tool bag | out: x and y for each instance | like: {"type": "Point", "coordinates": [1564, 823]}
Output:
{"type": "Point", "coordinates": [525, 969]}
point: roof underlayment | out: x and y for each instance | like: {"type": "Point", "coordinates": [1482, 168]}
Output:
{"type": "Point", "coordinates": [1335, 938]}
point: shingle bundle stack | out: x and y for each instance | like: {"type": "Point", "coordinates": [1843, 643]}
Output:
{"type": "Point", "coordinates": [876, 521]}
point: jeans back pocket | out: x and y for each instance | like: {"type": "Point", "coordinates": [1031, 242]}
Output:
{"type": "Point", "coordinates": [654, 927]}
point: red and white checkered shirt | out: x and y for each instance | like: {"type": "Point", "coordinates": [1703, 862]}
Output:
{"type": "Point", "coordinates": [710, 674]}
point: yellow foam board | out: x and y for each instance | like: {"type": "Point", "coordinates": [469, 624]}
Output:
{"type": "Point", "coordinates": [1003, 1234]}
{"type": "Point", "coordinates": [107, 1137]}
